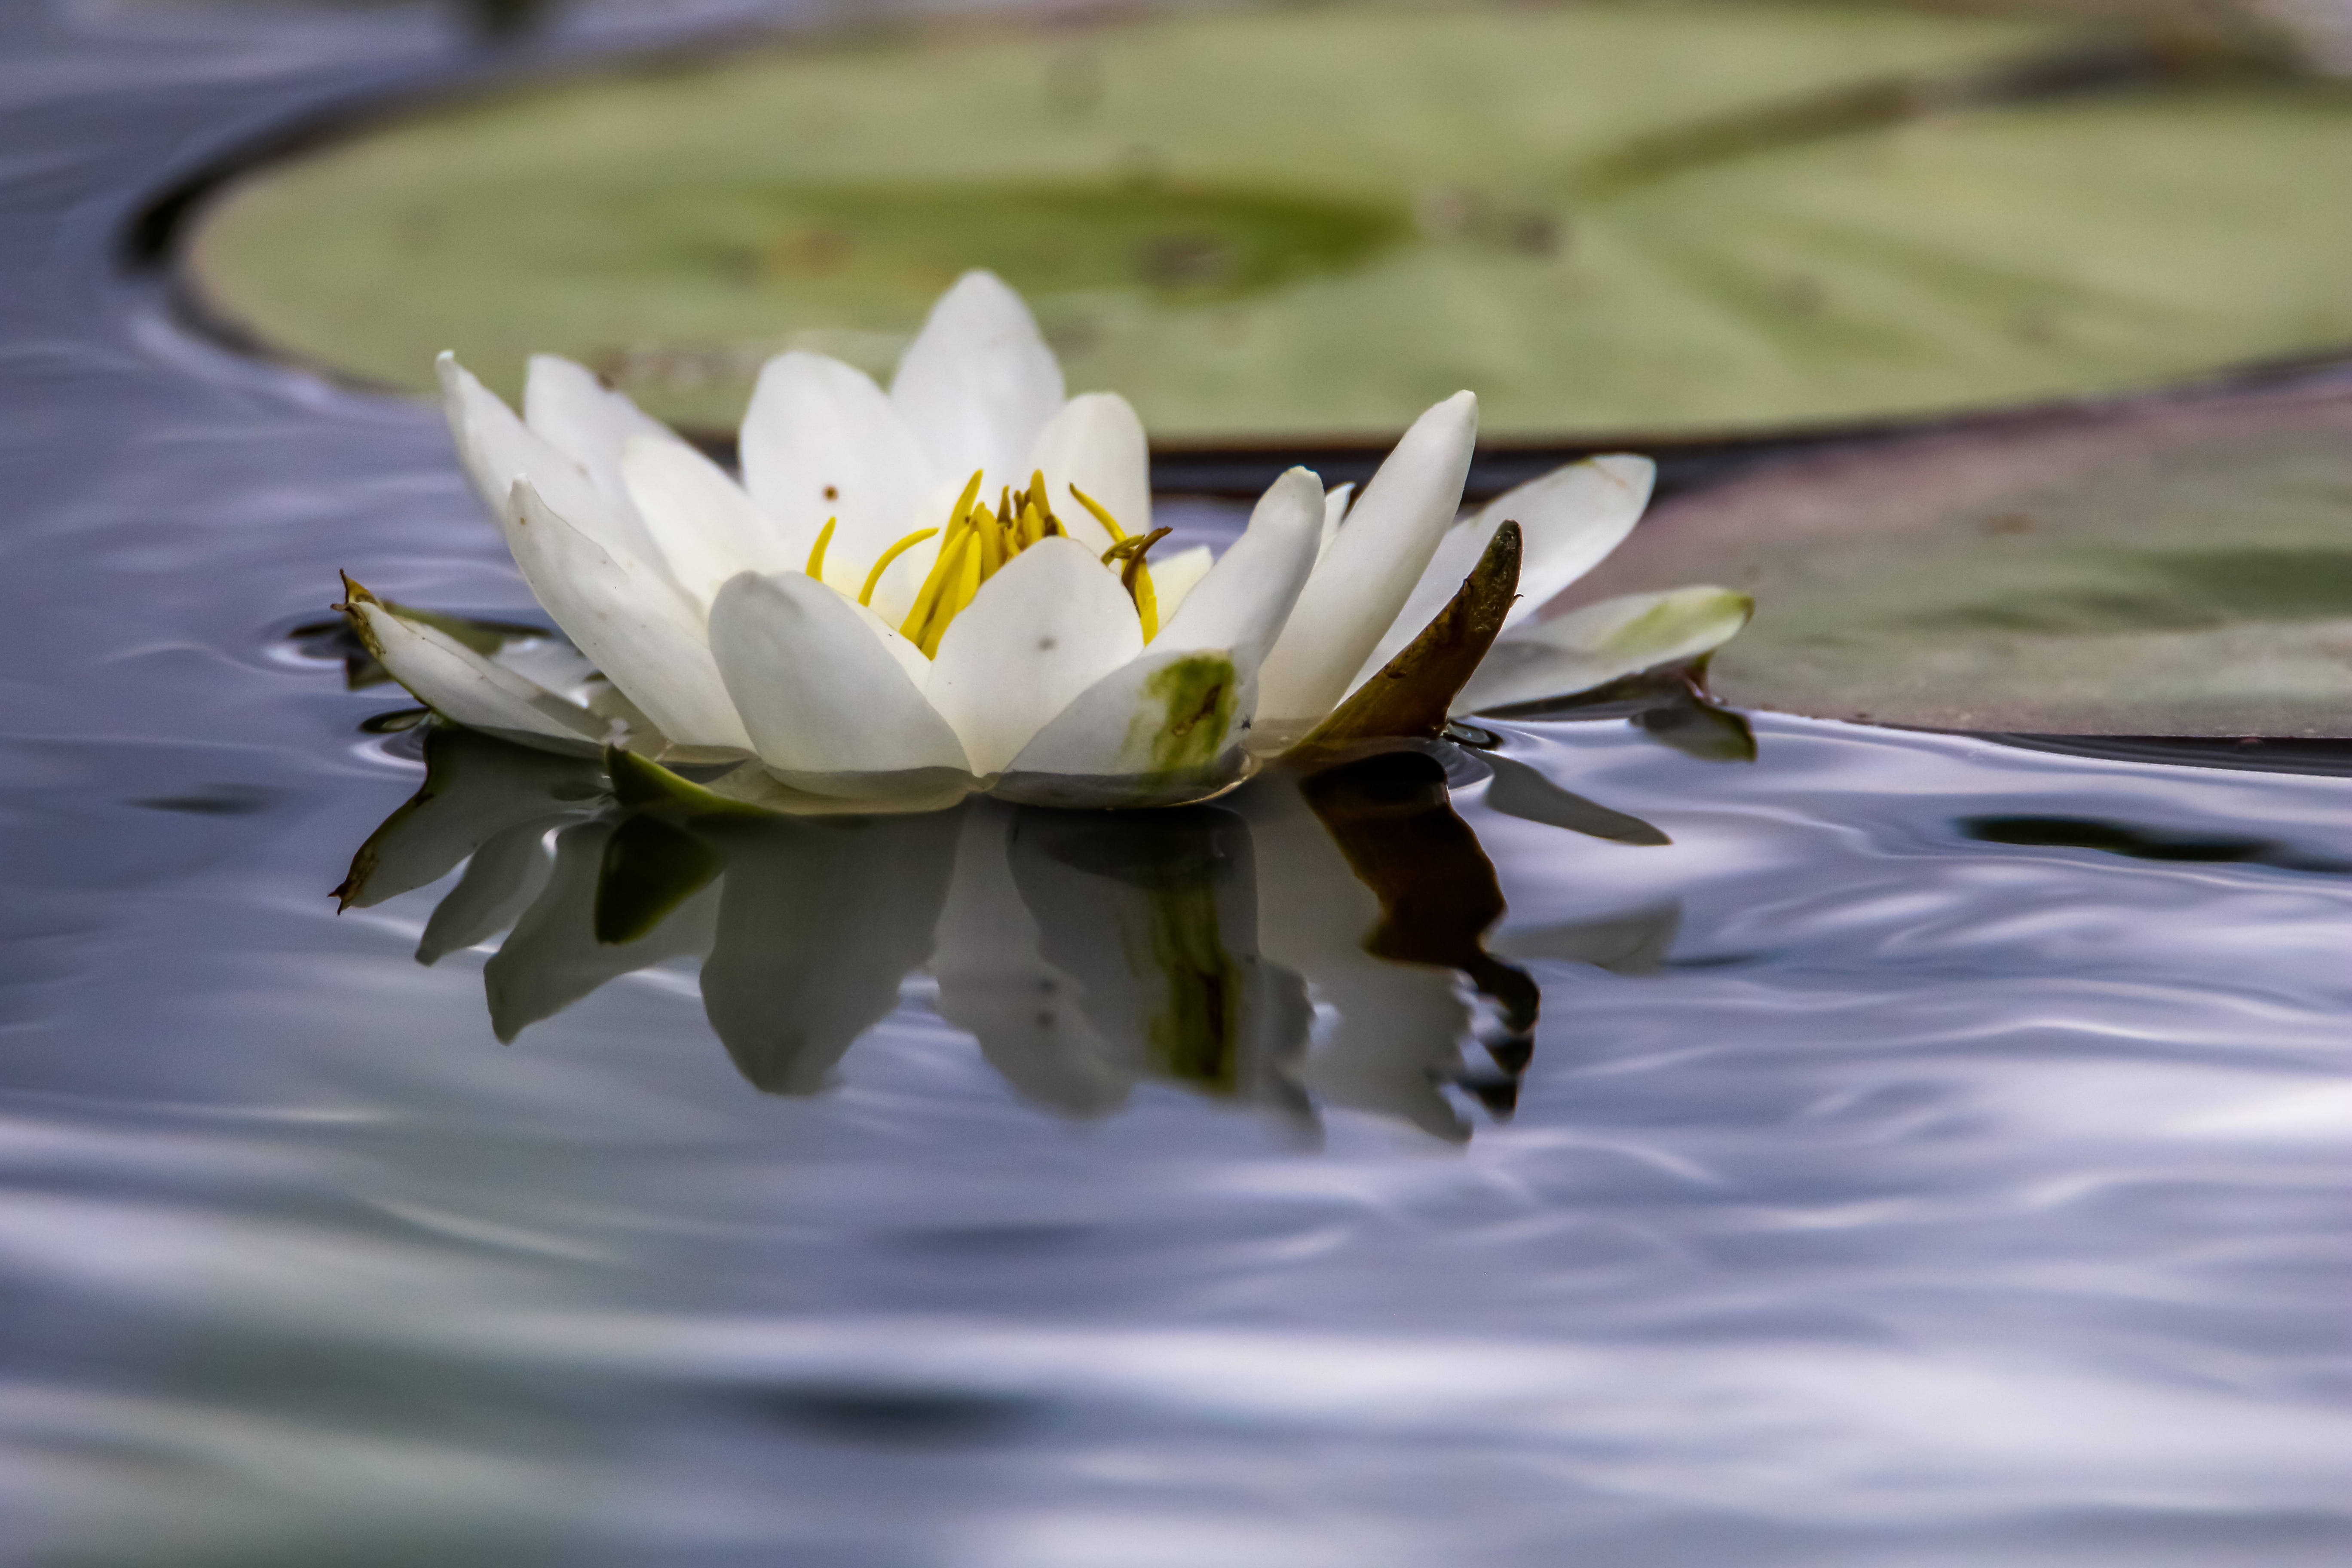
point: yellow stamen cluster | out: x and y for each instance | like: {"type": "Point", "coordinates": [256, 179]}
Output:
{"type": "Point", "coordinates": [978, 541]}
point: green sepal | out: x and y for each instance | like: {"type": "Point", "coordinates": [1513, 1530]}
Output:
{"type": "Point", "coordinates": [1411, 696]}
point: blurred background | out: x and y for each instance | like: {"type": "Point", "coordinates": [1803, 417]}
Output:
{"type": "Point", "coordinates": [1645, 217]}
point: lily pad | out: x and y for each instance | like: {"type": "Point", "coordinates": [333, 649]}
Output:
{"type": "Point", "coordinates": [2187, 572]}
{"type": "Point", "coordinates": [1293, 220]}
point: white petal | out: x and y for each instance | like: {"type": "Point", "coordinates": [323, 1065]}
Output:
{"type": "Point", "coordinates": [1571, 517]}
{"type": "Point", "coordinates": [584, 419]}
{"type": "Point", "coordinates": [1157, 731]}
{"type": "Point", "coordinates": [1335, 511]}
{"type": "Point", "coordinates": [642, 632]}
{"type": "Point", "coordinates": [1048, 626]}
{"type": "Point", "coordinates": [1377, 556]}
{"type": "Point", "coordinates": [821, 440]}
{"type": "Point", "coordinates": [1603, 642]}
{"type": "Point", "coordinates": [978, 383]}
{"type": "Point", "coordinates": [1569, 521]}
{"type": "Point", "coordinates": [828, 707]}
{"type": "Point", "coordinates": [1174, 577]}
{"type": "Point", "coordinates": [1241, 605]}
{"type": "Point", "coordinates": [467, 688]}
{"type": "Point", "coordinates": [1096, 443]}
{"type": "Point", "coordinates": [497, 449]}
{"type": "Point", "coordinates": [704, 525]}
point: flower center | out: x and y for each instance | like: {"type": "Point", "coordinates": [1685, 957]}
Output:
{"type": "Point", "coordinates": [978, 541]}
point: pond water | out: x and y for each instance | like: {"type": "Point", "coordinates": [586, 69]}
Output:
{"type": "Point", "coordinates": [1930, 1150]}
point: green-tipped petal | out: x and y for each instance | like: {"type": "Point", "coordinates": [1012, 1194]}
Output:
{"type": "Point", "coordinates": [1603, 642]}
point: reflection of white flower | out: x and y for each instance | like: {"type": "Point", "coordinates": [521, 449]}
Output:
{"type": "Point", "coordinates": [950, 586]}
{"type": "Point", "coordinates": [1308, 942]}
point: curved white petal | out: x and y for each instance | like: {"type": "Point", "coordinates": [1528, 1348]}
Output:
{"type": "Point", "coordinates": [1569, 521]}
{"type": "Point", "coordinates": [1096, 443]}
{"type": "Point", "coordinates": [497, 449]}
{"type": "Point", "coordinates": [1174, 577]}
{"type": "Point", "coordinates": [1159, 730]}
{"type": "Point", "coordinates": [1048, 626]}
{"type": "Point", "coordinates": [1241, 605]}
{"type": "Point", "coordinates": [467, 688]}
{"type": "Point", "coordinates": [1603, 642]}
{"type": "Point", "coordinates": [978, 383]}
{"type": "Point", "coordinates": [1335, 511]}
{"type": "Point", "coordinates": [820, 440]}
{"type": "Point", "coordinates": [585, 420]}
{"type": "Point", "coordinates": [827, 704]}
{"type": "Point", "coordinates": [1374, 563]}
{"type": "Point", "coordinates": [704, 525]}
{"type": "Point", "coordinates": [639, 629]}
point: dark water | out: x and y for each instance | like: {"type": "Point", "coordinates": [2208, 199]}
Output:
{"type": "Point", "coordinates": [1932, 1153]}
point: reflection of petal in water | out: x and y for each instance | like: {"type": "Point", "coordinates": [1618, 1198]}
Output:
{"type": "Point", "coordinates": [1085, 952]}
{"type": "Point", "coordinates": [552, 958]}
{"type": "Point", "coordinates": [995, 982]}
{"type": "Point", "coordinates": [506, 874]}
{"type": "Point", "coordinates": [1524, 791]}
{"type": "Point", "coordinates": [819, 921]}
{"type": "Point", "coordinates": [1156, 918]}
{"type": "Point", "coordinates": [474, 789]}
{"type": "Point", "coordinates": [1400, 1016]}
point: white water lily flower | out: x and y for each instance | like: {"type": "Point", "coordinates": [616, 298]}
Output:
{"type": "Point", "coordinates": [950, 586]}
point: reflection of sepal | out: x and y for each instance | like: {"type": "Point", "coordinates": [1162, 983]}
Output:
{"type": "Point", "coordinates": [475, 789]}
{"type": "Point", "coordinates": [1390, 817]}
{"type": "Point", "coordinates": [1411, 694]}
{"type": "Point", "coordinates": [648, 869]}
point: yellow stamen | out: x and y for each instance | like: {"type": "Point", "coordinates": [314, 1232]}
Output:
{"type": "Point", "coordinates": [953, 603]}
{"type": "Point", "coordinates": [874, 578]}
{"type": "Point", "coordinates": [917, 625]}
{"type": "Point", "coordinates": [1136, 577]}
{"type": "Point", "coordinates": [1101, 516]}
{"type": "Point", "coordinates": [815, 567]}
{"type": "Point", "coordinates": [1032, 527]}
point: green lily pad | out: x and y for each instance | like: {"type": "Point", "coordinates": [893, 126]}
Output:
{"type": "Point", "coordinates": [2184, 571]}
{"type": "Point", "coordinates": [1297, 220]}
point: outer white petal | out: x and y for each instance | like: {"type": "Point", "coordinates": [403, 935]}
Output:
{"type": "Point", "coordinates": [1241, 605]}
{"type": "Point", "coordinates": [497, 449]}
{"type": "Point", "coordinates": [706, 529]}
{"type": "Point", "coordinates": [978, 383]}
{"type": "Point", "coordinates": [585, 420]}
{"type": "Point", "coordinates": [1048, 626]}
{"type": "Point", "coordinates": [1174, 578]}
{"type": "Point", "coordinates": [1569, 519]}
{"type": "Point", "coordinates": [827, 704]}
{"type": "Point", "coordinates": [1097, 443]}
{"type": "Point", "coordinates": [641, 631]}
{"type": "Point", "coordinates": [463, 686]}
{"type": "Point", "coordinates": [1374, 563]}
{"type": "Point", "coordinates": [1603, 642]}
{"type": "Point", "coordinates": [821, 440]}
{"type": "Point", "coordinates": [1159, 730]}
